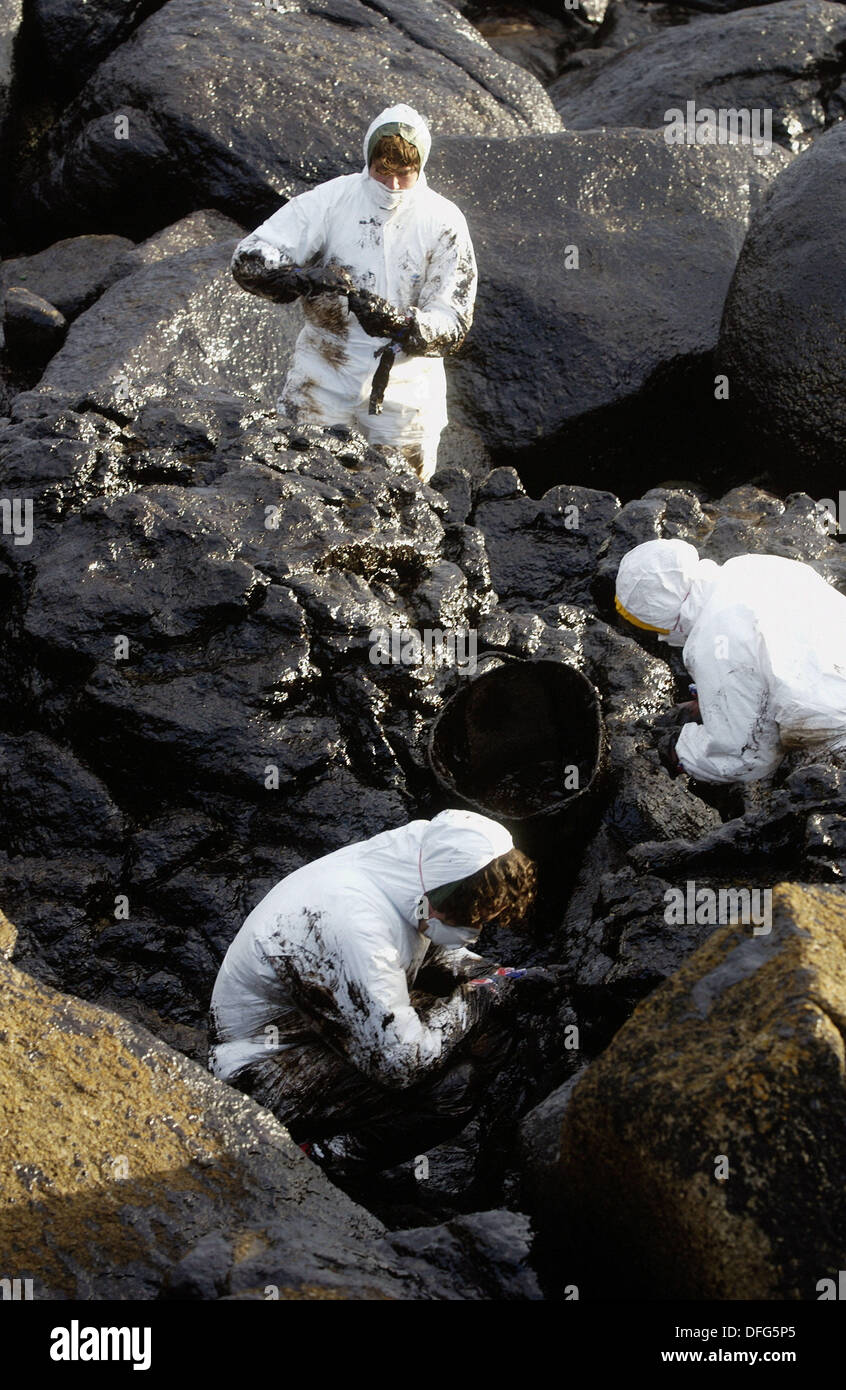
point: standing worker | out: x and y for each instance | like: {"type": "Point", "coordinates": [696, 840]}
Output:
{"type": "Point", "coordinates": [387, 275]}
{"type": "Point", "coordinates": [311, 1012]}
{"type": "Point", "coordinates": [764, 639]}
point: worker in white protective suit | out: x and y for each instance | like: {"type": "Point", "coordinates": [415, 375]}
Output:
{"type": "Point", "coordinates": [311, 1012]}
{"type": "Point", "coordinates": [387, 275]}
{"type": "Point", "coordinates": [764, 640]}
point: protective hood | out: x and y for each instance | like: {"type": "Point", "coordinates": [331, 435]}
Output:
{"type": "Point", "coordinates": [397, 120]}
{"type": "Point", "coordinates": [661, 586]}
{"type": "Point", "coordinates": [456, 844]}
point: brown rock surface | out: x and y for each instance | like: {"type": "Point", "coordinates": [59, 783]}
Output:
{"type": "Point", "coordinates": [740, 1054]}
{"type": "Point", "coordinates": [119, 1157]}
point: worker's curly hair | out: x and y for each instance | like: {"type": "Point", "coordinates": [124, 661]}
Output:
{"type": "Point", "coordinates": [396, 152]}
{"type": "Point", "coordinates": [502, 893]}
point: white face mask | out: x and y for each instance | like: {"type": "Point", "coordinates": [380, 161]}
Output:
{"type": "Point", "coordinates": [387, 198]}
{"type": "Point", "coordinates": [442, 934]}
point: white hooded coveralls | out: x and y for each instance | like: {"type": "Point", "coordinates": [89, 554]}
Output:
{"type": "Point", "coordinates": [765, 642]}
{"type": "Point", "coordinates": [412, 247]}
{"type": "Point", "coordinates": [341, 935]}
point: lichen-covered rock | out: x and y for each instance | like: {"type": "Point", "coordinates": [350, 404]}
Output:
{"type": "Point", "coordinates": [128, 1172]}
{"type": "Point", "coordinates": [701, 1156]}
{"type": "Point", "coordinates": [781, 342]}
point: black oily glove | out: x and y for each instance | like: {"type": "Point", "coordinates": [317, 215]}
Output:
{"type": "Point", "coordinates": [284, 283]}
{"type": "Point", "coordinates": [489, 990]}
{"type": "Point", "coordinates": [320, 279]}
{"type": "Point", "coordinates": [377, 317]}
{"type": "Point", "coordinates": [412, 341]}
{"type": "Point", "coordinates": [667, 755]}
{"type": "Point", "coordinates": [481, 1001]}
{"type": "Point", "coordinates": [271, 282]}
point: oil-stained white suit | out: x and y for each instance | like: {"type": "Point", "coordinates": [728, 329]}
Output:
{"type": "Point", "coordinates": [412, 247]}
{"type": "Point", "coordinates": [329, 956]}
{"type": "Point", "coordinates": [764, 639]}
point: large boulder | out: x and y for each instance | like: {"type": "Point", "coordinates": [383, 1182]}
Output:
{"type": "Point", "coordinates": [782, 343]}
{"type": "Point", "coordinates": [70, 274]}
{"type": "Point", "coordinates": [176, 324]}
{"type": "Point", "coordinates": [786, 58]}
{"type": "Point", "coordinates": [157, 336]}
{"type": "Point", "coordinates": [185, 113]}
{"type": "Point", "coordinates": [545, 551]}
{"type": "Point", "coordinates": [702, 1155]}
{"type": "Point", "coordinates": [187, 234]}
{"type": "Point", "coordinates": [73, 38]}
{"type": "Point", "coordinates": [624, 23]}
{"type": "Point", "coordinates": [604, 261]}
{"type": "Point", "coordinates": [130, 1173]}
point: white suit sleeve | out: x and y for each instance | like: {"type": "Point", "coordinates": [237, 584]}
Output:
{"type": "Point", "coordinates": [358, 998]}
{"type": "Point", "coordinates": [738, 740]}
{"type": "Point", "coordinates": [444, 310]}
{"type": "Point", "coordinates": [294, 235]}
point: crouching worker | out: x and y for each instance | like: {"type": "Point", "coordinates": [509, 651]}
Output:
{"type": "Point", "coordinates": [311, 1013]}
{"type": "Point", "coordinates": [764, 640]}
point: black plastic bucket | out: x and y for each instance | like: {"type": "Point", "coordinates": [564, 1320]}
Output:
{"type": "Point", "coordinates": [525, 744]}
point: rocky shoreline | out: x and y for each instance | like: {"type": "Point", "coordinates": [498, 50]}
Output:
{"type": "Point", "coordinates": [189, 709]}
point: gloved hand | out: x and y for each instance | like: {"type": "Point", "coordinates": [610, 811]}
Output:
{"type": "Point", "coordinates": [498, 981]}
{"type": "Point", "coordinates": [486, 993]}
{"type": "Point", "coordinates": [310, 281]}
{"type": "Point", "coordinates": [252, 271]}
{"type": "Point", "coordinates": [379, 318]}
{"type": "Point", "coordinates": [284, 283]}
{"type": "Point", "coordinates": [667, 755]}
{"type": "Point", "coordinates": [679, 715]}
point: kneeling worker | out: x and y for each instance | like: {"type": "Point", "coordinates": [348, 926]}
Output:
{"type": "Point", "coordinates": [764, 640]}
{"type": "Point", "coordinates": [311, 1013]}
